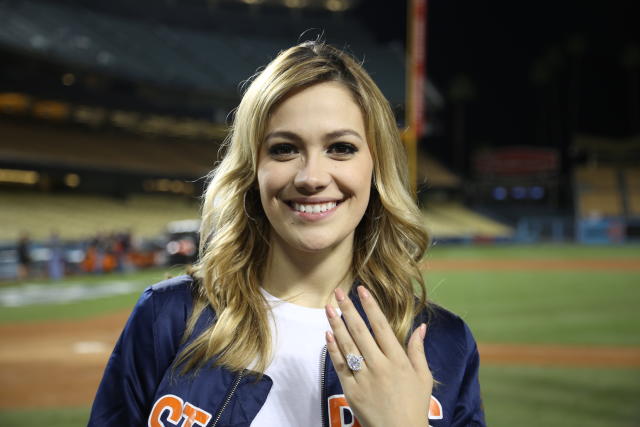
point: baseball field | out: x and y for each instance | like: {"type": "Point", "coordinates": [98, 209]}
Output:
{"type": "Point", "coordinates": [558, 328]}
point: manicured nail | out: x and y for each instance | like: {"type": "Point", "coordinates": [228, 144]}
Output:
{"type": "Point", "coordinates": [364, 293]}
{"type": "Point", "coordinates": [423, 330]}
{"type": "Point", "coordinates": [339, 294]}
{"type": "Point", "coordinates": [329, 337]}
{"type": "Point", "coordinates": [331, 313]}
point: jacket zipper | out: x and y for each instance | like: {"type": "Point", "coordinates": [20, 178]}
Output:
{"type": "Point", "coordinates": [323, 394]}
{"type": "Point", "coordinates": [228, 398]}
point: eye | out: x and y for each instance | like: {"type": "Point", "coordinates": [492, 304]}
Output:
{"type": "Point", "coordinates": [282, 151]}
{"type": "Point", "coordinates": [342, 149]}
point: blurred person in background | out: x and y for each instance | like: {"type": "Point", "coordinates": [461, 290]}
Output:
{"type": "Point", "coordinates": [55, 264]}
{"type": "Point", "coordinates": [101, 246]}
{"type": "Point", "coordinates": [310, 244]}
{"type": "Point", "coordinates": [24, 256]}
{"type": "Point", "coordinates": [90, 256]}
{"type": "Point", "coordinates": [123, 247]}
{"type": "Point", "coordinates": [110, 248]}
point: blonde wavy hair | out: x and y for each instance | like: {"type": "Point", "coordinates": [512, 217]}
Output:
{"type": "Point", "coordinates": [388, 244]}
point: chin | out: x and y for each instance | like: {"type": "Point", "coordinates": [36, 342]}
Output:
{"type": "Point", "coordinates": [315, 247]}
{"type": "Point", "coordinates": [318, 244]}
{"type": "Point", "coordinates": [314, 241]}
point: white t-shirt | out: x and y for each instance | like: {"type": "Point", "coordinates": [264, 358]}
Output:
{"type": "Point", "coordinates": [298, 339]}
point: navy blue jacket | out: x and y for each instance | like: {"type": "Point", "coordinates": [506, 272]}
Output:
{"type": "Point", "coordinates": [140, 386]}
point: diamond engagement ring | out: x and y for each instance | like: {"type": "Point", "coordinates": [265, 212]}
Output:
{"type": "Point", "coordinates": [355, 362]}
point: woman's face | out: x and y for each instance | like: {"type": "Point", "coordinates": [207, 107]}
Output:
{"type": "Point", "coordinates": [315, 168]}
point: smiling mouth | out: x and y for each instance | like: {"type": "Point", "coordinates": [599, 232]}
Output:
{"type": "Point", "coordinates": [313, 207]}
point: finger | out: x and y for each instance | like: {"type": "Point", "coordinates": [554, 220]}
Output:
{"type": "Point", "coordinates": [339, 362]}
{"type": "Point", "coordinates": [384, 335]}
{"type": "Point", "coordinates": [415, 351]}
{"type": "Point", "coordinates": [356, 328]}
{"type": "Point", "coordinates": [341, 334]}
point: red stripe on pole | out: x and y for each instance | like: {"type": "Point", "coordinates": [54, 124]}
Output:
{"type": "Point", "coordinates": [417, 74]}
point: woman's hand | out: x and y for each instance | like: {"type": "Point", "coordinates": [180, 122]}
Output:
{"type": "Point", "coordinates": [393, 388]}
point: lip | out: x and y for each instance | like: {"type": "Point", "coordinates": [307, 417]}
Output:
{"type": "Point", "coordinates": [313, 201]}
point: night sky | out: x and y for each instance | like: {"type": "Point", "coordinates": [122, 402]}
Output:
{"type": "Point", "coordinates": [527, 88]}
{"type": "Point", "coordinates": [504, 48]}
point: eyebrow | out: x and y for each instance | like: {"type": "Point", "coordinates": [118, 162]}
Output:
{"type": "Point", "coordinates": [342, 132]}
{"type": "Point", "coordinates": [295, 137]}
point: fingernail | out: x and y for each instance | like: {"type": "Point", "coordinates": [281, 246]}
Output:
{"type": "Point", "coordinates": [364, 293]}
{"type": "Point", "coordinates": [329, 336]}
{"type": "Point", "coordinates": [331, 313]}
{"type": "Point", "coordinates": [339, 294]}
{"type": "Point", "coordinates": [423, 330]}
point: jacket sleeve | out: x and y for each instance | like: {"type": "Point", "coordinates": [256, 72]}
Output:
{"type": "Point", "coordinates": [469, 410]}
{"type": "Point", "coordinates": [136, 366]}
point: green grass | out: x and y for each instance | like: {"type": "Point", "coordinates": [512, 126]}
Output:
{"type": "Point", "coordinates": [68, 417]}
{"type": "Point", "coordinates": [568, 307]}
{"type": "Point", "coordinates": [535, 251]}
{"type": "Point", "coordinates": [151, 276]}
{"type": "Point", "coordinates": [76, 310]}
{"type": "Point", "coordinates": [85, 308]}
{"type": "Point", "coordinates": [525, 396]}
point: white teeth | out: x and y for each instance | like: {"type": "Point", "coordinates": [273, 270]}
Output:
{"type": "Point", "coordinates": [314, 208]}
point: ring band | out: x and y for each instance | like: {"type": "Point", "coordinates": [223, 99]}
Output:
{"type": "Point", "coordinates": [354, 362]}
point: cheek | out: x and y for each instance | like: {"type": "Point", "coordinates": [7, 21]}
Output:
{"type": "Point", "coordinates": [361, 179]}
{"type": "Point", "coordinates": [263, 188]}
{"type": "Point", "coordinates": [271, 180]}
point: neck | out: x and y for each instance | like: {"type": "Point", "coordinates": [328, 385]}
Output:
{"type": "Point", "coordinates": [308, 278]}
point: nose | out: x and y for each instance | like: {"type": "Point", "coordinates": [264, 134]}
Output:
{"type": "Point", "coordinates": [313, 175]}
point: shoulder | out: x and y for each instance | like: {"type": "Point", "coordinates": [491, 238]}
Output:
{"type": "Point", "coordinates": [449, 339]}
{"type": "Point", "coordinates": [160, 318]}
{"type": "Point", "coordinates": [170, 300]}
{"type": "Point", "coordinates": [145, 350]}
{"type": "Point", "coordinates": [454, 361]}
{"type": "Point", "coordinates": [443, 321]}
{"type": "Point", "coordinates": [176, 289]}
{"type": "Point", "coordinates": [179, 286]}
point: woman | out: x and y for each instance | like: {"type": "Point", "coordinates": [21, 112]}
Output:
{"type": "Point", "coordinates": [308, 226]}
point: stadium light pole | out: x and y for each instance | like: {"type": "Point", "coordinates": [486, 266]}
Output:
{"type": "Point", "coordinates": [415, 84]}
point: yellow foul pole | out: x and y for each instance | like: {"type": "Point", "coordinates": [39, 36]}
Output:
{"type": "Point", "coordinates": [415, 93]}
